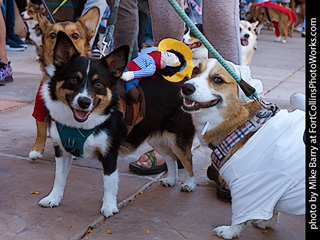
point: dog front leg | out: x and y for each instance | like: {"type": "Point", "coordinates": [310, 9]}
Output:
{"type": "Point", "coordinates": [109, 200]}
{"type": "Point", "coordinates": [40, 143]}
{"type": "Point", "coordinates": [228, 232]}
{"type": "Point", "coordinates": [110, 183]}
{"type": "Point", "coordinates": [63, 165]}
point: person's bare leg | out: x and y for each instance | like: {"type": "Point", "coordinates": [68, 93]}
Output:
{"type": "Point", "coordinates": [220, 21]}
{"type": "Point", "coordinates": [166, 23]}
{"type": "Point", "coordinates": [3, 52]}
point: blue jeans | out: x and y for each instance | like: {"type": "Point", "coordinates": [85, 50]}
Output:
{"type": "Point", "coordinates": [130, 84]}
{"type": "Point", "coordinates": [9, 17]}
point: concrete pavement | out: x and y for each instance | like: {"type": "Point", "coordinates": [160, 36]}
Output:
{"type": "Point", "coordinates": [148, 210]}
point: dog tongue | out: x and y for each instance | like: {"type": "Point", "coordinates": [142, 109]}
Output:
{"type": "Point", "coordinates": [244, 42]}
{"type": "Point", "coordinates": [82, 115]}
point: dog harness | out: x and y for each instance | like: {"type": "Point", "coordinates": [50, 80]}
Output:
{"type": "Point", "coordinates": [221, 150]}
{"type": "Point", "coordinates": [73, 139]}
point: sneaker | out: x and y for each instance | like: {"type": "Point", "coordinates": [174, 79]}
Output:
{"type": "Point", "coordinates": [95, 51]}
{"type": "Point", "coordinates": [17, 40]}
{"type": "Point", "coordinates": [5, 73]}
{"type": "Point", "coordinates": [13, 46]}
{"type": "Point", "coordinates": [2, 74]}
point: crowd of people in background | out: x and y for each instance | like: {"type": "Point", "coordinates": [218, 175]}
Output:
{"type": "Point", "coordinates": [140, 23]}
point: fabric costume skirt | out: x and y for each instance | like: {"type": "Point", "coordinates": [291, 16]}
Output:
{"type": "Point", "coordinates": [268, 172]}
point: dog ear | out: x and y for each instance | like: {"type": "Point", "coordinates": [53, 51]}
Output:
{"type": "Point", "coordinates": [117, 60]}
{"type": "Point", "coordinates": [64, 49]}
{"type": "Point", "coordinates": [43, 22]}
{"type": "Point", "coordinates": [90, 21]}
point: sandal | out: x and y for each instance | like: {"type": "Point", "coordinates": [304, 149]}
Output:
{"type": "Point", "coordinates": [222, 193]}
{"type": "Point", "coordinates": [148, 171]}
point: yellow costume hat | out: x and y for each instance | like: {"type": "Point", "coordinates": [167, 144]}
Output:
{"type": "Point", "coordinates": [168, 44]}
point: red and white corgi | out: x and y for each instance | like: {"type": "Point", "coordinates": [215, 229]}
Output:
{"type": "Point", "coordinates": [248, 40]}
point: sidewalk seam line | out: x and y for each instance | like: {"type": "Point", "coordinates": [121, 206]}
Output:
{"type": "Point", "coordinates": [286, 78]}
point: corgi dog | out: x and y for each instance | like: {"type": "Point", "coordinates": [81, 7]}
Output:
{"type": "Point", "coordinates": [282, 18]}
{"type": "Point", "coordinates": [199, 51]}
{"type": "Point", "coordinates": [80, 33]}
{"type": "Point", "coordinates": [248, 40]}
{"type": "Point", "coordinates": [257, 148]}
{"type": "Point", "coordinates": [82, 96]}
{"type": "Point", "coordinates": [29, 16]}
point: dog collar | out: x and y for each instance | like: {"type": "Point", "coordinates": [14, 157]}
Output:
{"type": "Point", "coordinates": [220, 151]}
{"type": "Point", "coordinates": [73, 139]}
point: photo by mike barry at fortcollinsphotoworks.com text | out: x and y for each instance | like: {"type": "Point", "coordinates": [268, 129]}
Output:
{"type": "Point", "coordinates": [312, 192]}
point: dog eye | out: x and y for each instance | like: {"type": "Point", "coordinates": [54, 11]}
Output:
{"type": "Point", "coordinates": [73, 80]}
{"type": "Point", "coordinates": [195, 71]}
{"type": "Point", "coordinates": [52, 35]}
{"type": "Point", "coordinates": [218, 80]}
{"type": "Point", "coordinates": [249, 28]}
{"type": "Point", "coordinates": [98, 85]}
{"type": "Point", "coordinates": [75, 36]}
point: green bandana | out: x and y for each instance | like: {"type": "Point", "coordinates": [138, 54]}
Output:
{"type": "Point", "coordinates": [73, 139]}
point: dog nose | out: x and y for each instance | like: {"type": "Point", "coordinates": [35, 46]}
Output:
{"type": "Point", "coordinates": [246, 35]}
{"type": "Point", "coordinates": [84, 102]}
{"type": "Point", "coordinates": [188, 89]}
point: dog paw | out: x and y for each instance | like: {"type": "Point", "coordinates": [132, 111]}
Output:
{"type": "Point", "coordinates": [266, 224]}
{"type": "Point", "coordinates": [33, 155]}
{"type": "Point", "coordinates": [227, 232]}
{"type": "Point", "coordinates": [189, 185]}
{"type": "Point", "coordinates": [277, 39]}
{"type": "Point", "coordinates": [108, 210]}
{"type": "Point", "coordinates": [50, 201]}
{"type": "Point", "coordinates": [168, 182]}
{"type": "Point", "coordinates": [283, 41]}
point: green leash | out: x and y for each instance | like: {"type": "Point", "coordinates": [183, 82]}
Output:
{"type": "Point", "coordinates": [247, 89]}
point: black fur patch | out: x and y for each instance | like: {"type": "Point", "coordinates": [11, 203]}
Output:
{"type": "Point", "coordinates": [57, 151]}
{"type": "Point", "coordinates": [163, 113]}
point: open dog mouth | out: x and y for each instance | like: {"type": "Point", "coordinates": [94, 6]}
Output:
{"type": "Point", "coordinates": [244, 42]}
{"type": "Point", "coordinates": [194, 45]}
{"type": "Point", "coordinates": [190, 105]}
{"type": "Point", "coordinates": [80, 115]}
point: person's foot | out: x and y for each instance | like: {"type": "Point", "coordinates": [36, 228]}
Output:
{"type": "Point", "coordinates": [149, 163]}
{"type": "Point", "coordinates": [145, 160]}
{"type": "Point", "coordinates": [223, 190]}
{"type": "Point", "coordinates": [18, 41]}
{"type": "Point", "coordinates": [5, 73]}
{"type": "Point", "coordinates": [13, 46]}
{"type": "Point", "coordinates": [95, 50]}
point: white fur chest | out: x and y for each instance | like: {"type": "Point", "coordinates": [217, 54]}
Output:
{"type": "Point", "coordinates": [205, 121]}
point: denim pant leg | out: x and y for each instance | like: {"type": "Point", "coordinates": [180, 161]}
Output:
{"type": "Point", "coordinates": [10, 19]}
{"type": "Point", "coordinates": [130, 84]}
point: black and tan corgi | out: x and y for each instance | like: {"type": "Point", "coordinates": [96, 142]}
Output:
{"type": "Point", "coordinates": [82, 97]}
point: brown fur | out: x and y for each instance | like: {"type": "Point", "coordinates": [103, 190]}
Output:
{"type": "Point", "coordinates": [80, 33]}
{"type": "Point", "coordinates": [283, 20]}
{"type": "Point", "coordinates": [235, 113]}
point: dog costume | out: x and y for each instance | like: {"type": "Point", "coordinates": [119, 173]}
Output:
{"type": "Point", "coordinates": [268, 172]}
{"type": "Point", "coordinates": [146, 64]}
